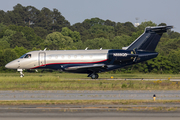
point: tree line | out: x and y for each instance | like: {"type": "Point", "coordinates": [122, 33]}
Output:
{"type": "Point", "coordinates": [26, 28]}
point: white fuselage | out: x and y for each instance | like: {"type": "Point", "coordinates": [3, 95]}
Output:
{"type": "Point", "coordinates": [42, 58]}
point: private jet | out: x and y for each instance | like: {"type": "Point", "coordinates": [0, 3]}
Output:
{"type": "Point", "coordinates": [92, 62]}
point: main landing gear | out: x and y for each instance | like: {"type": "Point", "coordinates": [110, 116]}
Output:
{"type": "Point", "coordinates": [93, 76]}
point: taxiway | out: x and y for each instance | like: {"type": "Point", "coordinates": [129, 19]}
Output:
{"type": "Point", "coordinates": [89, 95]}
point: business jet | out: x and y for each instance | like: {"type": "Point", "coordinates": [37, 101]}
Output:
{"type": "Point", "coordinates": [93, 62]}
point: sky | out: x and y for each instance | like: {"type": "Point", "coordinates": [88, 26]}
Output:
{"type": "Point", "coordinates": [157, 11]}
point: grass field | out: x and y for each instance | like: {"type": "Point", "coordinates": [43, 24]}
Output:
{"type": "Point", "coordinates": [85, 102]}
{"type": "Point", "coordinates": [102, 75]}
{"type": "Point", "coordinates": [68, 81]}
{"type": "Point", "coordinates": [115, 105]}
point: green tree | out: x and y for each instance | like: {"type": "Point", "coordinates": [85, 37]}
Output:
{"type": "Point", "coordinates": [143, 25]}
{"type": "Point", "coordinates": [7, 35]}
{"type": "Point", "coordinates": [174, 59]}
{"type": "Point", "coordinates": [51, 20]}
{"type": "Point", "coordinates": [110, 23]}
{"type": "Point", "coordinates": [31, 16]}
{"type": "Point", "coordinates": [160, 64]}
{"type": "Point", "coordinates": [162, 24]}
{"type": "Point", "coordinates": [26, 34]}
{"type": "Point", "coordinates": [97, 43]}
{"type": "Point", "coordinates": [59, 21]}
{"type": "Point", "coordinates": [41, 32]}
{"type": "Point", "coordinates": [94, 21]}
{"type": "Point", "coordinates": [2, 26]}
{"type": "Point", "coordinates": [74, 35]}
{"type": "Point", "coordinates": [174, 35]}
{"type": "Point", "coordinates": [120, 41]}
{"type": "Point", "coordinates": [6, 56]}
{"type": "Point", "coordinates": [20, 51]}
{"type": "Point", "coordinates": [2, 29]}
{"type": "Point", "coordinates": [4, 45]}
{"type": "Point", "coordinates": [56, 40]}
{"type": "Point", "coordinates": [18, 40]}
{"type": "Point", "coordinates": [18, 15]}
{"type": "Point", "coordinates": [124, 28]}
{"type": "Point", "coordinates": [2, 14]}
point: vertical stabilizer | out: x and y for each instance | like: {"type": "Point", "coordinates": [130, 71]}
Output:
{"type": "Point", "coordinates": [149, 39]}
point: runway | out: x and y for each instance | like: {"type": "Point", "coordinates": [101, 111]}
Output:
{"type": "Point", "coordinates": [92, 116]}
{"type": "Point", "coordinates": [56, 114]}
{"type": "Point", "coordinates": [148, 111]}
{"type": "Point", "coordinates": [89, 95]}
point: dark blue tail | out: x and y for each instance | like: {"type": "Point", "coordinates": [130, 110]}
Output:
{"type": "Point", "coordinates": [149, 39]}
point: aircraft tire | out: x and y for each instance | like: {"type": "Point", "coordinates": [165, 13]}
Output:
{"type": "Point", "coordinates": [21, 76]}
{"type": "Point", "coordinates": [96, 76]}
{"type": "Point", "coordinates": [93, 76]}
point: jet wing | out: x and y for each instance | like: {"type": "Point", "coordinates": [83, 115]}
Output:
{"type": "Point", "coordinates": [93, 66]}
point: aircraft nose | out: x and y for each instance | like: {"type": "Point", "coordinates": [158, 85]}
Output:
{"type": "Point", "coordinates": [8, 66]}
{"type": "Point", "coordinates": [11, 65]}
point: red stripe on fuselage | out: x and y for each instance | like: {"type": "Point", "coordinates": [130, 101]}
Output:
{"type": "Point", "coordinates": [71, 63]}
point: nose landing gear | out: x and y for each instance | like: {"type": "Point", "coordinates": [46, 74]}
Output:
{"type": "Point", "coordinates": [21, 72]}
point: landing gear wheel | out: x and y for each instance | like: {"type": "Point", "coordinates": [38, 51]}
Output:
{"type": "Point", "coordinates": [22, 75]}
{"type": "Point", "coordinates": [94, 76]}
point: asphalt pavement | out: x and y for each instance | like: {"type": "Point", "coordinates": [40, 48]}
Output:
{"type": "Point", "coordinates": [89, 95]}
{"type": "Point", "coordinates": [147, 111]}
{"type": "Point", "coordinates": [87, 115]}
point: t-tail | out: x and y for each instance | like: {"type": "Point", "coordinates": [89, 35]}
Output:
{"type": "Point", "coordinates": [149, 39]}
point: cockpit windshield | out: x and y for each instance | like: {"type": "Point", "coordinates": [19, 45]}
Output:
{"type": "Point", "coordinates": [23, 56]}
{"type": "Point", "coordinates": [26, 56]}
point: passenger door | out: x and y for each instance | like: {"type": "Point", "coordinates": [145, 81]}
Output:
{"type": "Point", "coordinates": [42, 59]}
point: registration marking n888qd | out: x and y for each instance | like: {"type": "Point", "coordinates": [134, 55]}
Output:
{"type": "Point", "coordinates": [120, 54]}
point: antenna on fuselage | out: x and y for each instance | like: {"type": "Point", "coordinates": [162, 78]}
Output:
{"type": "Point", "coordinates": [86, 48]}
{"type": "Point", "coordinates": [45, 49]}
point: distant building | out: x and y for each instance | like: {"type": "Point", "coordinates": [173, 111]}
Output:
{"type": "Point", "coordinates": [136, 24]}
